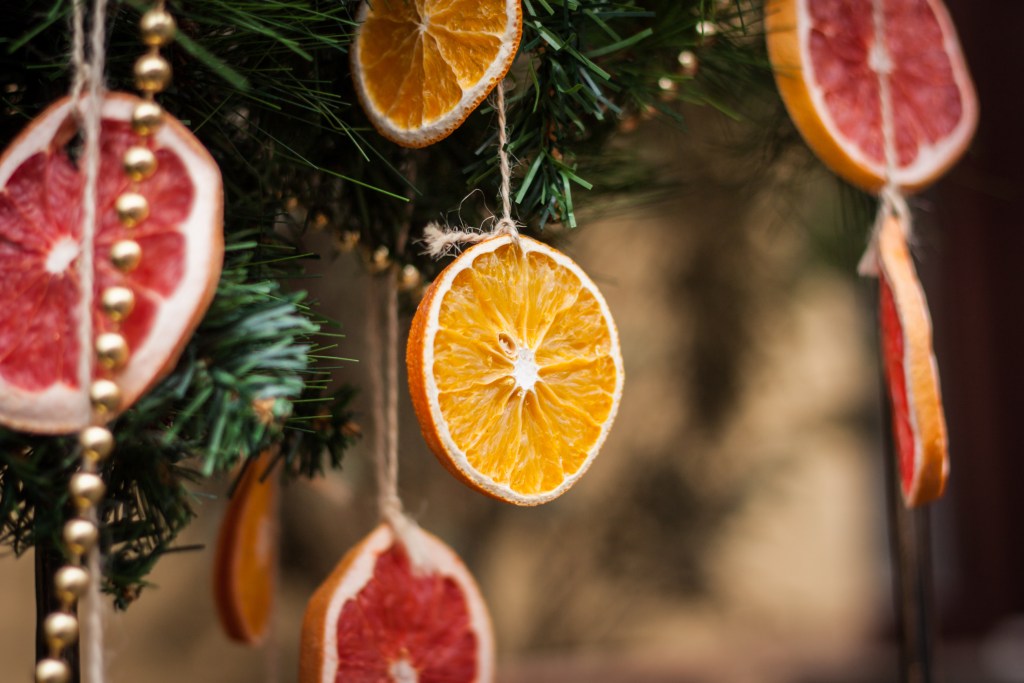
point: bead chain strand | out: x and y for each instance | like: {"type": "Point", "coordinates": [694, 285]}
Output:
{"type": "Point", "coordinates": [81, 534]}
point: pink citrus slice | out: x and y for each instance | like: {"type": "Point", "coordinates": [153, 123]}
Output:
{"type": "Point", "coordinates": [856, 73]}
{"type": "Point", "coordinates": [912, 376]}
{"type": "Point", "coordinates": [41, 298]}
{"type": "Point", "coordinates": [391, 614]}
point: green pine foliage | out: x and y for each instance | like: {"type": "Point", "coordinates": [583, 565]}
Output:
{"type": "Point", "coordinates": [266, 86]}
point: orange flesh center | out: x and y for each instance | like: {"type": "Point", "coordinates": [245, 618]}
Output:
{"type": "Point", "coordinates": [847, 65]}
{"type": "Point", "coordinates": [524, 369]}
{"type": "Point", "coordinates": [419, 57]}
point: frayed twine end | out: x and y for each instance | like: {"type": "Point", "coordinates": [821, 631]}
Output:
{"type": "Point", "coordinates": [441, 241]}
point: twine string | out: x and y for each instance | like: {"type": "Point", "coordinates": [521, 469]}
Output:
{"type": "Point", "coordinates": [87, 77]}
{"type": "Point", "coordinates": [441, 240]}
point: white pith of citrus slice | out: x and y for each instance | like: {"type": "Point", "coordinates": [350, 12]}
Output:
{"type": "Point", "coordinates": [911, 371]}
{"type": "Point", "coordinates": [838, 81]}
{"type": "Point", "coordinates": [515, 369]}
{"type": "Point", "coordinates": [40, 231]}
{"type": "Point", "coordinates": [389, 614]}
{"type": "Point", "coordinates": [422, 66]}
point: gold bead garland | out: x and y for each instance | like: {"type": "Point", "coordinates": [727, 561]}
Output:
{"type": "Point", "coordinates": [86, 488]}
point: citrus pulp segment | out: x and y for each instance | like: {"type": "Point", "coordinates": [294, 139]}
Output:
{"type": "Point", "coordinates": [919, 423]}
{"type": "Point", "coordinates": [849, 92]}
{"type": "Point", "coordinates": [245, 564]}
{"type": "Point", "coordinates": [391, 614]}
{"type": "Point", "coordinates": [421, 66]}
{"type": "Point", "coordinates": [514, 369]}
{"type": "Point", "coordinates": [41, 302]}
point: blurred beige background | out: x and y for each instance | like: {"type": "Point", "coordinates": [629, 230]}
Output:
{"type": "Point", "coordinates": [731, 530]}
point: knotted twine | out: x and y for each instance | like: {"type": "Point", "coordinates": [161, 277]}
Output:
{"type": "Point", "coordinates": [440, 241]}
{"type": "Point", "coordinates": [891, 199]}
{"type": "Point", "coordinates": [87, 76]}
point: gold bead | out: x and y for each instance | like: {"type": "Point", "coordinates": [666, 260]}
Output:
{"type": "Point", "coordinates": [139, 162]}
{"type": "Point", "coordinates": [61, 630]}
{"type": "Point", "coordinates": [707, 29]}
{"type": "Point", "coordinates": [158, 27]}
{"type": "Point", "coordinates": [152, 73]}
{"type": "Point", "coordinates": [379, 260]}
{"type": "Point", "coordinates": [86, 490]}
{"type": "Point", "coordinates": [52, 670]}
{"type": "Point", "coordinates": [409, 278]}
{"type": "Point", "coordinates": [117, 302]}
{"type": "Point", "coordinates": [111, 350]}
{"type": "Point", "coordinates": [105, 397]}
{"type": "Point", "coordinates": [97, 443]}
{"type": "Point", "coordinates": [688, 63]}
{"type": "Point", "coordinates": [132, 208]}
{"type": "Point", "coordinates": [347, 241]}
{"type": "Point", "coordinates": [125, 255]}
{"type": "Point", "coordinates": [147, 117]}
{"type": "Point", "coordinates": [80, 536]}
{"type": "Point", "coordinates": [71, 583]}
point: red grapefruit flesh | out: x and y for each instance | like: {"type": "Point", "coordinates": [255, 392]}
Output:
{"type": "Point", "coordinates": [245, 564]}
{"type": "Point", "coordinates": [856, 73]}
{"type": "Point", "coordinates": [41, 301]}
{"type": "Point", "coordinates": [919, 423]}
{"type": "Point", "coordinates": [391, 614]}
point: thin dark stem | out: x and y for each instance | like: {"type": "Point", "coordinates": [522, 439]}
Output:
{"type": "Point", "coordinates": [48, 560]}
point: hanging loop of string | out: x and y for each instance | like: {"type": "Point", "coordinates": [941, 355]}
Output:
{"type": "Point", "coordinates": [439, 241]}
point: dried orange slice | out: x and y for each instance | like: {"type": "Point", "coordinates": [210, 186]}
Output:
{"type": "Point", "coordinates": [41, 298]}
{"type": "Point", "coordinates": [393, 614]}
{"type": "Point", "coordinates": [919, 423]}
{"type": "Point", "coordinates": [514, 369]}
{"type": "Point", "coordinates": [245, 564]}
{"type": "Point", "coordinates": [848, 70]}
{"type": "Point", "coordinates": [421, 66]}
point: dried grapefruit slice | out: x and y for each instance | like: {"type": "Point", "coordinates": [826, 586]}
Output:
{"type": "Point", "coordinates": [514, 369]}
{"type": "Point", "coordinates": [245, 565]}
{"type": "Point", "coordinates": [919, 424]}
{"type": "Point", "coordinates": [421, 66]}
{"type": "Point", "coordinates": [841, 85]}
{"type": "Point", "coordinates": [391, 615]}
{"type": "Point", "coordinates": [40, 230]}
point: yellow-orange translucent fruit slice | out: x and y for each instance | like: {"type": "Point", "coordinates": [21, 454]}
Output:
{"type": "Point", "coordinates": [851, 70]}
{"type": "Point", "coordinates": [245, 565]}
{"type": "Point", "coordinates": [912, 376]}
{"type": "Point", "coordinates": [514, 369]}
{"type": "Point", "coordinates": [421, 66]}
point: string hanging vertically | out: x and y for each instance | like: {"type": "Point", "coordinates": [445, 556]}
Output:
{"type": "Point", "coordinates": [439, 241]}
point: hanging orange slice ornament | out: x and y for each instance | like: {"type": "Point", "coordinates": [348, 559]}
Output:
{"type": "Point", "coordinates": [514, 369]}
{"type": "Point", "coordinates": [919, 424]}
{"type": "Point", "coordinates": [841, 85]}
{"type": "Point", "coordinates": [157, 259]}
{"type": "Point", "coordinates": [422, 66]}
{"type": "Point", "coordinates": [245, 565]}
{"type": "Point", "coordinates": [391, 613]}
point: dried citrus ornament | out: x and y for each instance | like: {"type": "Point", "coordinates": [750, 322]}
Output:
{"type": "Point", "coordinates": [422, 66]}
{"type": "Point", "coordinates": [843, 86]}
{"type": "Point", "coordinates": [919, 424]}
{"type": "Point", "coordinates": [157, 259]}
{"type": "Point", "coordinates": [245, 565]}
{"type": "Point", "coordinates": [390, 612]}
{"type": "Point", "coordinates": [514, 369]}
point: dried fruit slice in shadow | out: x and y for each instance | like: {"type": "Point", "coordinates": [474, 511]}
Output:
{"type": "Point", "coordinates": [514, 369]}
{"type": "Point", "coordinates": [394, 614]}
{"type": "Point", "coordinates": [245, 565]}
{"type": "Point", "coordinates": [422, 67]}
{"type": "Point", "coordinates": [841, 85]}
{"type": "Point", "coordinates": [179, 246]}
{"type": "Point", "coordinates": [912, 376]}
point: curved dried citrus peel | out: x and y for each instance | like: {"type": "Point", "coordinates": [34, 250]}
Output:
{"type": "Point", "coordinates": [514, 369]}
{"type": "Point", "coordinates": [919, 423]}
{"type": "Point", "coordinates": [40, 297]}
{"type": "Point", "coordinates": [830, 71]}
{"type": "Point", "coordinates": [422, 66]}
{"type": "Point", "coordinates": [245, 564]}
{"type": "Point", "coordinates": [389, 614]}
